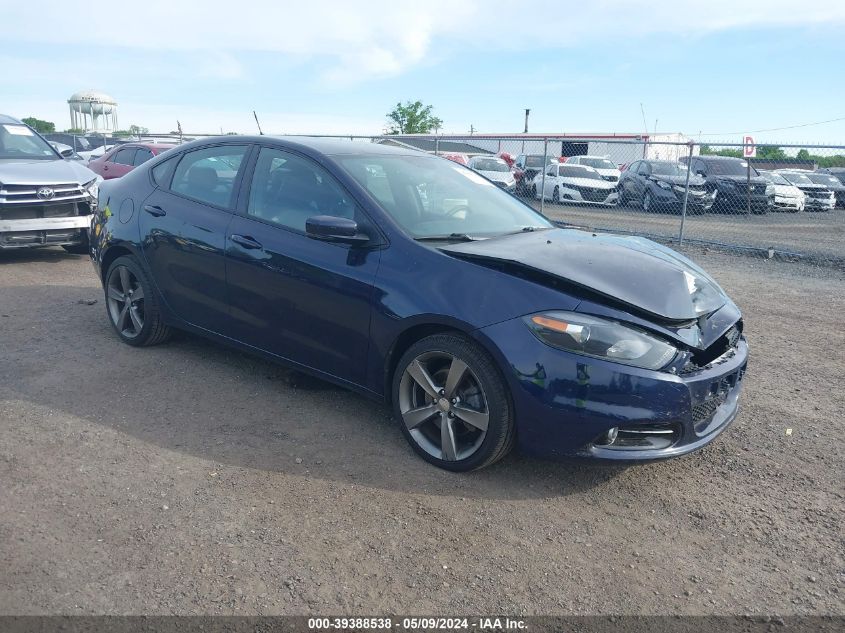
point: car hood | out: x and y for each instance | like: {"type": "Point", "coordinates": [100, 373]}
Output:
{"type": "Point", "coordinates": [587, 182]}
{"type": "Point", "coordinates": [640, 274]}
{"type": "Point", "coordinates": [497, 176]}
{"type": "Point", "coordinates": [755, 180]}
{"type": "Point", "coordinates": [680, 180]}
{"type": "Point", "coordinates": [44, 172]}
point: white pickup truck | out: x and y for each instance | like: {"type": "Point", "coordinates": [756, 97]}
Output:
{"type": "Point", "coordinates": [45, 200]}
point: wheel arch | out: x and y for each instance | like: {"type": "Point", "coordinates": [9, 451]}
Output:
{"type": "Point", "coordinates": [111, 254]}
{"type": "Point", "coordinates": [418, 331]}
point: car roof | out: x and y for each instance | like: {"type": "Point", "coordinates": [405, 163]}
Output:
{"type": "Point", "coordinates": [718, 158]}
{"type": "Point", "coordinates": [5, 118]}
{"type": "Point", "coordinates": [311, 144]}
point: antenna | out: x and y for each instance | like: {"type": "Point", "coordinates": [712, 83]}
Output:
{"type": "Point", "coordinates": [257, 123]}
{"type": "Point", "coordinates": [645, 125]}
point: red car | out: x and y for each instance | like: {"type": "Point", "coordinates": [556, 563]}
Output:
{"type": "Point", "coordinates": [124, 158]}
{"type": "Point", "coordinates": [462, 159]}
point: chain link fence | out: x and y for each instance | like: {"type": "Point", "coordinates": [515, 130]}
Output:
{"type": "Point", "coordinates": [787, 201]}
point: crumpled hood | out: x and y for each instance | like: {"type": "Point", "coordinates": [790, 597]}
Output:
{"type": "Point", "coordinates": [44, 172]}
{"type": "Point", "coordinates": [632, 270]}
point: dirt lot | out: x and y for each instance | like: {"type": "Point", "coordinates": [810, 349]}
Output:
{"type": "Point", "coordinates": [820, 235]}
{"type": "Point", "coordinates": [189, 478]}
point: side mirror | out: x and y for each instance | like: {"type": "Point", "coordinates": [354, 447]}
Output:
{"type": "Point", "coordinates": [330, 228]}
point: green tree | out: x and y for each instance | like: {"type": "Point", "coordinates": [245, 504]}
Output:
{"type": "Point", "coordinates": [803, 154]}
{"type": "Point", "coordinates": [42, 127]}
{"type": "Point", "coordinates": [412, 118]}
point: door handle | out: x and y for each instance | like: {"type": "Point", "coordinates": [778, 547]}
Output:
{"type": "Point", "coordinates": [246, 241]}
{"type": "Point", "coordinates": [154, 210]}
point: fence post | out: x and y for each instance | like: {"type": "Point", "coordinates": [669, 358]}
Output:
{"type": "Point", "coordinates": [686, 196]}
{"type": "Point", "coordinates": [543, 182]}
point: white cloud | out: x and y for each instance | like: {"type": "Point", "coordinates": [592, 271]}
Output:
{"type": "Point", "coordinates": [382, 38]}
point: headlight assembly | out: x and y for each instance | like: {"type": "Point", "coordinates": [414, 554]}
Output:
{"type": "Point", "coordinates": [93, 189]}
{"type": "Point", "coordinates": [663, 184]}
{"type": "Point", "coordinates": [600, 338]}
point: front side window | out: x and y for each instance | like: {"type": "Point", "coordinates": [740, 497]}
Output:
{"type": "Point", "coordinates": [208, 175]}
{"type": "Point", "coordinates": [287, 189]}
{"type": "Point", "coordinates": [429, 198]}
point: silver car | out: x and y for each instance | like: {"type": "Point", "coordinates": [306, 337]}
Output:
{"type": "Point", "coordinates": [494, 169]}
{"type": "Point", "coordinates": [45, 200]}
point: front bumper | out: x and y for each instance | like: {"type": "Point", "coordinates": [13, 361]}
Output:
{"type": "Point", "coordinates": [789, 203]}
{"type": "Point", "coordinates": [43, 231]}
{"type": "Point", "coordinates": [565, 403]}
{"type": "Point", "coordinates": [604, 197]}
{"type": "Point", "coordinates": [820, 204]}
{"type": "Point", "coordinates": [734, 201]}
{"type": "Point", "coordinates": [674, 199]}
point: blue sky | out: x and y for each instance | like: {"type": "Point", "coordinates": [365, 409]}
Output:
{"type": "Point", "coordinates": [338, 67]}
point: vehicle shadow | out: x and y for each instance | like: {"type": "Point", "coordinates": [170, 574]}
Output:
{"type": "Point", "coordinates": [204, 399]}
{"type": "Point", "coordinates": [47, 254]}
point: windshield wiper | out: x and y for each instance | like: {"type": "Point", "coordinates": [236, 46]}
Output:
{"type": "Point", "coordinates": [452, 237]}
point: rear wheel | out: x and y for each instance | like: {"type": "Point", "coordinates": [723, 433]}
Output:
{"type": "Point", "coordinates": [556, 195]}
{"type": "Point", "coordinates": [648, 202]}
{"type": "Point", "coordinates": [132, 305]}
{"type": "Point", "coordinates": [452, 403]}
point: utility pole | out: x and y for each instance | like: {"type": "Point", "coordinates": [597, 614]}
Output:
{"type": "Point", "coordinates": [471, 129]}
{"type": "Point", "coordinates": [527, 112]}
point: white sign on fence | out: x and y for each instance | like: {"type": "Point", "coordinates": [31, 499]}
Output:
{"type": "Point", "coordinates": [749, 149]}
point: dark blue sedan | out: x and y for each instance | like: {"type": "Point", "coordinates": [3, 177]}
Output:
{"type": "Point", "coordinates": [417, 281]}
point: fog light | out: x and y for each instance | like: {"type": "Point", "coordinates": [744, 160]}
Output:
{"type": "Point", "coordinates": [610, 436]}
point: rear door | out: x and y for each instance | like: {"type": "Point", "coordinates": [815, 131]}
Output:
{"type": "Point", "coordinates": [302, 299]}
{"type": "Point", "coordinates": [183, 231]}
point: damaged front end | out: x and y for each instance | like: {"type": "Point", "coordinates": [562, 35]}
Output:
{"type": "Point", "coordinates": [46, 213]}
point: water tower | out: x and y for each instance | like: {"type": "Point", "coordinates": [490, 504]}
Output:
{"type": "Point", "coordinates": [93, 111]}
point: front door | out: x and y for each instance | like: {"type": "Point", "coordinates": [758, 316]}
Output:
{"type": "Point", "coordinates": [299, 298]}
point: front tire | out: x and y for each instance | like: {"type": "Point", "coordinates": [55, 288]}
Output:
{"type": "Point", "coordinates": [648, 204]}
{"type": "Point", "coordinates": [132, 305]}
{"type": "Point", "coordinates": [556, 196]}
{"type": "Point", "coordinates": [452, 403]}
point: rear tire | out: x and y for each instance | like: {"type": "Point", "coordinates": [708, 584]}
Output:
{"type": "Point", "coordinates": [450, 379]}
{"type": "Point", "coordinates": [132, 304]}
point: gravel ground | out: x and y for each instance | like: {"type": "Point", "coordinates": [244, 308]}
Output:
{"type": "Point", "coordinates": [819, 235]}
{"type": "Point", "coordinates": [192, 479]}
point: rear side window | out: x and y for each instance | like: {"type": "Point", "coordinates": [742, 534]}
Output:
{"type": "Point", "coordinates": [163, 172]}
{"type": "Point", "coordinates": [208, 175]}
{"type": "Point", "coordinates": [124, 156]}
{"type": "Point", "coordinates": [142, 156]}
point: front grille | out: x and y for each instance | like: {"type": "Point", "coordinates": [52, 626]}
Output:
{"type": "Point", "coordinates": [28, 194]}
{"type": "Point", "coordinates": [591, 194]}
{"type": "Point", "coordinates": [610, 178]}
{"type": "Point", "coordinates": [702, 412]}
{"type": "Point", "coordinates": [38, 211]}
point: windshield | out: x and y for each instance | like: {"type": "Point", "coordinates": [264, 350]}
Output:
{"type": "Point", "coordinates": [490, 164]}
{"type": "Point", "coordinates": [598, 163]}
{"type": "Point", "coordinates": [824, 179]}
{"type": "Point", "coordinates": [537, 161]}
{"type": "Point", "coordinates": [775, 179]}
{"type": "Point", "coordinates": [430, 197]}
{"type": "Point", "coordinates": [798, 179]}
{"type": "Point", "coordinates": [729, 168]}
{"type": "Point", "coordinates": [668, 169]}
{"type": "Point", "coordinates": [18, 141]}
{"type": "Point", "coordinates": [571, 171]}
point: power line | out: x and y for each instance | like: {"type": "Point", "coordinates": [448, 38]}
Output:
{"type": "Point", "coordinates": [774, 129]}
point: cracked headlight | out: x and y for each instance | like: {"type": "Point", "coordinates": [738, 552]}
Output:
{"type": "Point", "coordinates": [600, 338]}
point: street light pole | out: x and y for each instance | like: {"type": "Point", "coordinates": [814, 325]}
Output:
{"type": "Point", "coordinates": [527, 112]}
